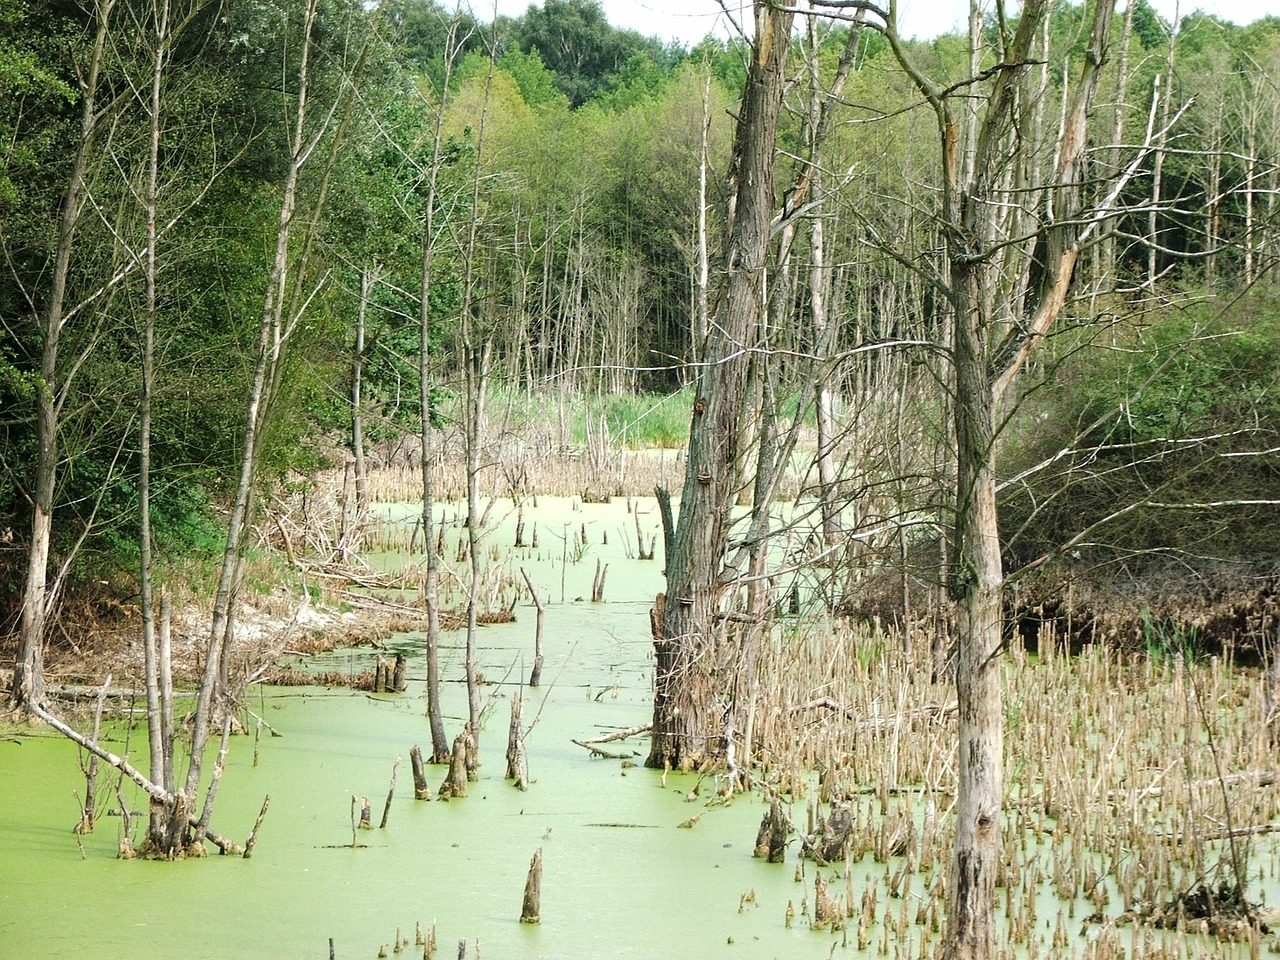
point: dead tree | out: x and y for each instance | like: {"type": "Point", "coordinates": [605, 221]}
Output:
{"type": "Point", "coordinates": [687, 633]}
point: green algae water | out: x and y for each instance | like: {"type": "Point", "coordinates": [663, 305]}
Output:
{"type": "Point", "coordinates": [621, 878]}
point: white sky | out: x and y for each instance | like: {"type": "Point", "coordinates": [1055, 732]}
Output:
{"type": "Point", "coordinates": [688, 21]}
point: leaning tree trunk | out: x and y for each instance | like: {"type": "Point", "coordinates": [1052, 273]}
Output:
{"type": "Point", "coordinates": [685, 728]}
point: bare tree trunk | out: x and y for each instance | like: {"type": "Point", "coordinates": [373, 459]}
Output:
{"type": "Point", "coordinates": [351, 539]}
{"type": "Point", "coordinates": [273, 336]}
{"type": "Point", "coordinates": [160, 749]}
{"type": "Point", "coordinates": [1108, 277]}
{"type": "Point", "coordinates": [981, 268]}
{"type": "Point", "coordinates": [477, 384]}
{"type": "Point", "coordinates": [28, 674]}
{"type": "Point", "coordinates": [685, 731]}
{"type": "Point", "coordinates": [430, 587]}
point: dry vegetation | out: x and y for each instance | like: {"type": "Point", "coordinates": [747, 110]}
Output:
{"type": "Point", "coordinates": [1142, 790]}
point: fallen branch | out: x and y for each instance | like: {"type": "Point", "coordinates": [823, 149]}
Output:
{"type": "Point", "coordinates": [132, 772]}
{"type": "Point", "coordinates": [1252, 778]}
{"type": "Point", "coordinates": [927, 712]}
{"type": "Point", "coordinates": [1224, 832]}
{"type": "Point", "coordinates": [617, 735]}
{"type": "Point", "coordinates": [604, 754]}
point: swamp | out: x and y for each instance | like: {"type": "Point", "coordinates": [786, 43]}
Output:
{"type": "Point", "coordinates": [1138, 780]}
{"type": "Point", "coordinates": [525, 488]}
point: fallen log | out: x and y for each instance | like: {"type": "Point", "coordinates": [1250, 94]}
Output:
{"type": "Point", "coordinates": [604, 754]}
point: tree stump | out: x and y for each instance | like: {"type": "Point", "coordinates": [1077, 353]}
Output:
{"type": "Point", "coordinates": [397, 674]}
{"type": "Point", "coordinates": [516, 768]}
{"type": "Point", "coordinates": [531, 911]}
{"type": "Point", "coordinates": [455, 781]}
{"type": "Point", "coordinates": [826, 911]}
{"type": "Point", "coordinates": [471, 757]}
{"type": "Point", "coordinates": [829, 843]}
{"type": "Point", "coordinates": [420, 789]}
{"type": "Point", "coordinates": [771, 839]}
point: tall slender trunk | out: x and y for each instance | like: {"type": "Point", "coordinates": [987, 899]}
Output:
{"type": "Point", "coordinates": [161, 751]}
{"type": "Point", "coordinates": [476, 371]}
{"type": "Point", "coordinates": [357, 416]}
{"type": "Point", "coordinates": [1108, 277]}
{"type": "Point", "coordinates": [272, 337]}
{"type": "Point", "coordinates": [981, 270]}
{"type": "Point", "coordinates": [1157, 175]}
{"type": "Point", "coordinates": [440, 749]}
{"type": "Point", "coordinates": [477, 384]}
{"type": "Point", "coordinates": [977, 576]}
{"type": "Point", "coordinates": [28, 675]}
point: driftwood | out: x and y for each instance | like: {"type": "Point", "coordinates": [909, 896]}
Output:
{"type": "Point", "coordinates": [531, 911]}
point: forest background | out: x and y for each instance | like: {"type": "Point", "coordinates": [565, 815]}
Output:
{"type": "Point", "coordinates": [572, 176]}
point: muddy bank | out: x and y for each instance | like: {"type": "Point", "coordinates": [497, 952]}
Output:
{"type": "Point", "coordinates": [266, 630]}
{"type": "Point", "coordinates": [1210, 607]}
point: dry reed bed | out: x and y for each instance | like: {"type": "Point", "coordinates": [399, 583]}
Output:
{"type": "Point", "coordinates": [1124, 774]}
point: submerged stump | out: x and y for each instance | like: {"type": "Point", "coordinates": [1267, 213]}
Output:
{"type": "Point", "coordinates": [771, 839]}
{"type": "Point", "coordinates": [516, 767]}
{"type": "Point", "coordinates": [455, 781]}
{"type": "Point", "coordinates": [420, 789]}
{"type": "Point", "coordinates": [531, 911]}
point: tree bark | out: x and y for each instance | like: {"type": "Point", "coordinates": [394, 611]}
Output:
{"type": "Point", "coordinates": [430, 587]}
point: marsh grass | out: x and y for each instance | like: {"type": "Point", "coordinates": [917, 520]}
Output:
{"type": "Point", "coordinates": [1124, 776]}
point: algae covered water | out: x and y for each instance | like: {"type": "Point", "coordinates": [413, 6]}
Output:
{"type": "Point", "coordinates": [633, 865]}
{"type": "Point", "coordinates": [621, 877]}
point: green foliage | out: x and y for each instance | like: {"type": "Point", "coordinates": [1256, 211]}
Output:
{"type": "Point", "coordinates": [537, 84]}
{"type": "Point", "coordinates": [1178, 411]}
{"type": "Point", "coordinates": [646, 419]}
{"type": "Point", "coordinates": [578, 45]}
{"type": "Point", "coordinates": [1165, 642]}
{"type": "Point", "coordinates": [640, 80]}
